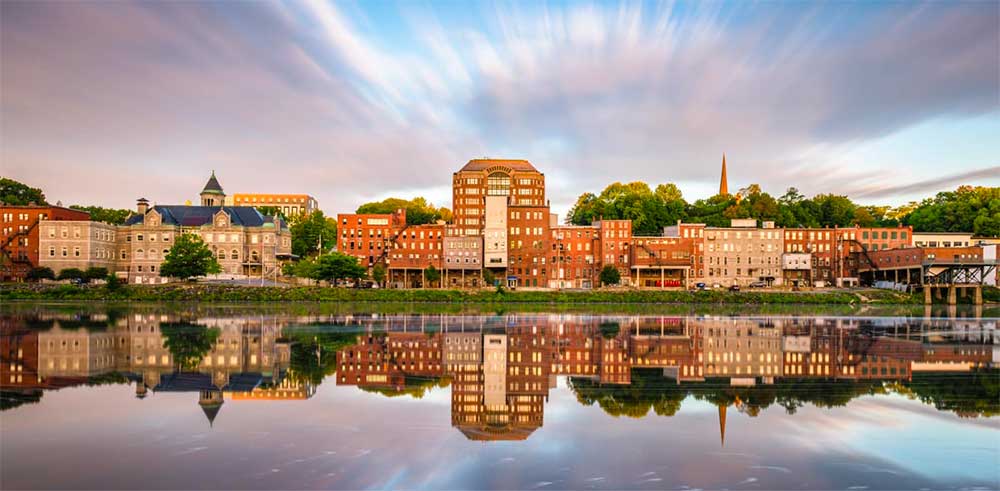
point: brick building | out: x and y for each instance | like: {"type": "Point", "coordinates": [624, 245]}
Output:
{"type": "Point", "coordinates": [527, 246]}
{"type": "Point", "coordinates": [616, 246]}
{"type": "Point", "coordinates": [574, 258]}
{"type": "Point", "coordinates": [662, 262]}
{"type": "Point", "coordinates": [479, 178]}
{"type": "Point", "coordinates": [369, 237]}
{"type": "Point", "coordinates": [19, 240]}
{"type": "Point", "coordinates": [416, 248]}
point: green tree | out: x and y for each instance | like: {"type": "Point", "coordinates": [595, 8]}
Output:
{"type": "Point", "coordinates": [378, 274]}
{"type": "Point", "coordinates": [968, 208]}
{"type": "Point", "coordinates": [489, 278]}
{"type": "Point", "coordinates": [338, 266]}
{"type": "Point", "coordinates": [610, 275]}
{"type": "Point", "coordinates": [309, 231]}
{"type": "Point", "coordinates": [418, 210]}
{"type": "Point", "coordinates": [113, 216]}
{"type": "Point", "coordinates": [189, 257]}
{"type": "Point", "coordinates": [834, 211]}
{"type": "Point", "coordinates": [41, 273]}
{"type": "Point", "coordinates": [431, 274]}
{"type": "Point", "coordinates": [188, 343]}
{"type": "Point", "coordinates": [18, 194]}
{"type": "Point", "coordinates": [71, 274]}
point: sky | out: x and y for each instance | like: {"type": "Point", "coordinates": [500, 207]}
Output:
{"type": "Point", "coordinates": [105, 102]}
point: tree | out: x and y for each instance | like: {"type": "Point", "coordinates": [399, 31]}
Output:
{"type": "Point", "coordinates": [338, 266]}
{"type": "Point", "coordinates": [488, 277]}
{"type": "Point", "coordinates": [968, 208]}
{"type": "Point", "coordinates": [41, 273]}
{"type": "Point", "coordinates": [188, 343]}
{"type": "Point", "coordinates": [431, 274]}
{"type": "Point", "coordinates": [379, 273]}
{"type": "Point", "coordinates": [18, 194]}
{"type": "Point", "coordinates": [111, 216]}
{"type": "Point", "coordinates": [189, 257]}
{"type": "Point", "coordinates": [610, 275]}
{"type": "Point", "coordinates": [308, 231]}
{"type": "Point", "coordinates": [418, 210]}
{"type": "Point", "coordinates": [71, 274]}
{"type": "Point", "coordinates": [95, 273]}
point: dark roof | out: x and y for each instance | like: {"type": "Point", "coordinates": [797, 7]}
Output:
{"type": "Point", "coordinates": [211, 412]}
{"type": "Point", "coordinates": [482, 164]}
{"type": "Point", "coordinates": [212, 186]}
{"type": "Point", "coordinates": [194, 381]}
{"type": "Point", "coordinates": [196, 216]}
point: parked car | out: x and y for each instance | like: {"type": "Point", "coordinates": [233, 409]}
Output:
{"type": "Point", "coordinates": [699, 286]}
{"type": "Point", "coordinates": [758, 284]}
{"type": "Point", "coordinates": [734, 288]}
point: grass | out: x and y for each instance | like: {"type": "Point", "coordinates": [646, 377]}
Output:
{"type": "Point", "coordinates": [183, 292]}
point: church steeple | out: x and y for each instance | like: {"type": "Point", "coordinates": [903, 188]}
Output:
{"type": "Point", "coordinates": [723, 183]}
{"type": "Point", "coordinates": [722, 424]}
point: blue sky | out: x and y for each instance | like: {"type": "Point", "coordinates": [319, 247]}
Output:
{"type": "Point", "coordinates": [103, 102]}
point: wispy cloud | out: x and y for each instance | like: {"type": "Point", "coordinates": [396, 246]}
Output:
{"type": "Point", "coordinates": [345, 103]}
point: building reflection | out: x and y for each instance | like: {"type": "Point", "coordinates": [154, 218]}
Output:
{"type": "Point", "coordinates": [242, 360]}
{"type": "Point", "coordinates": [501, 368]}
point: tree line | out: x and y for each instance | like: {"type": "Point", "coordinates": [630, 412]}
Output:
{"type": "Point", "coordinates": [973, 209]}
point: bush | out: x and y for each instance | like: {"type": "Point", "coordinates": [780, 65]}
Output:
{"type": "Point", "coordinates": [41, 273]}
{"type": "Point", "coordinates": [71, 274]}
{"type": "Point", "coordinates": [95, 273]}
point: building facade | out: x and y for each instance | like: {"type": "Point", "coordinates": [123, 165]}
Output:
{"type": "Point", "coordinates": [517, 180]}
{"type": "Point", "coordinates": [290, 205]}
{"type": "Point", "coordinates": [79, 244]}
{"type": "Point", "coordinates": [19, 236]}
{"type": "Point", "coordinates": [369, 237]}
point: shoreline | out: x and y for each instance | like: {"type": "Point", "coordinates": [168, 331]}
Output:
{"type": "Point", "coordinates": [213, 293]}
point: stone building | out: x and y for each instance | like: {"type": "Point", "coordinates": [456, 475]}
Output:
{"type": "Point", "coordinates": [80, 244]}
{"type": "Point", "coordinates": [742, 254]}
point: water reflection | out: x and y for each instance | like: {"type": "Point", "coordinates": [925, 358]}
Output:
{"type": "Point", "coordinates": [501, 368]}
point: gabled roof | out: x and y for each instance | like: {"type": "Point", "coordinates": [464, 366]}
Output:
{"type": "Point", "coordinates": [196, 216]}
{"type": "Point", "coordinates": [482, 164]}
{"type": "Point", "coordinates": [212, 186]}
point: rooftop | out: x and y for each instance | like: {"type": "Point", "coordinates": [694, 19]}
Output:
{"type": "Point", "coordinates": [483, 164]}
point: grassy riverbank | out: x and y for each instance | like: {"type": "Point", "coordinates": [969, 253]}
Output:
{"type": "Point", "coordinates": [226, 293]}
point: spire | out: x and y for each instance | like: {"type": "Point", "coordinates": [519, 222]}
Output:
{"type": "Point", "coordinates": [212, 194]}
{"type": "Point", "coordinates": [723, 185]}
{"type": "Point", "coordinates": [722, 424]}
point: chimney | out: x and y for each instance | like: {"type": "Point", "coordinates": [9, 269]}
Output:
{"type": "Point", "coordinates": [142, 206]}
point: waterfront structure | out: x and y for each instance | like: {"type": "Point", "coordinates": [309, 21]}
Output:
{"type": "Point", "coordinates": [290, 205]}
{"type": "Point", "coordinates": [796, 268]}
{"type": "Point", "coordinates": [19, 236]}
{"type": "Point", "coordinates": [662, 262]}
{"type": "Point", "coordinates": [742, 254]}
{"type": "Point", "coordinates": [463, 259]}
{"type": "Point", "coordinates": [517, 180]}
{"type": "Point", "coordinates": [79, 244]}
{"type": "Point", "coordinates": [415, 249]}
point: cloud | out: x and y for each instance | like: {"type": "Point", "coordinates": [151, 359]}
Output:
{"type": "Point", "coordinates": [929, 185]}
{"type": "Point", "coordinates": [345, 103]}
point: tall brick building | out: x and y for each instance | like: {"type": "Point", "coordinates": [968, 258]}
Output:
{"type": "Point", "coordinates": [515, 179]}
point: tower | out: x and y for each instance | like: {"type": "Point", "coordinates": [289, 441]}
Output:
{"type": "Point", "coordinates": [722, 422]}
{"type": "Point", "coordinates": [723, 184]}
{"type": "Point", "coordinates": [212, 194]}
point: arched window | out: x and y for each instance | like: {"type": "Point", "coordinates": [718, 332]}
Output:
{"type": "Point", "coordinates": [254, 256]}
{"type": "Point", "coordinates": [222, 254]}
{"type": "Point", "coordinates": [139, 254]}
{"type": "Point", "coordinates": [234, 254]}
{"type": "Point", "coordinates": [498, 184]}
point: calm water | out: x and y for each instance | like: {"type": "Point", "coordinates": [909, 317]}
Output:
{"type": "Point", "coordinates": [235, 397]}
